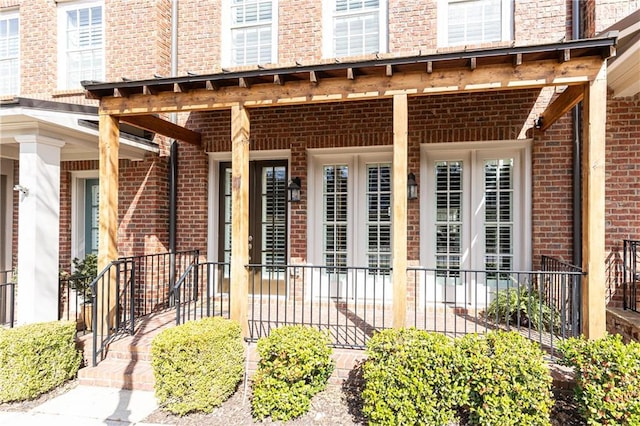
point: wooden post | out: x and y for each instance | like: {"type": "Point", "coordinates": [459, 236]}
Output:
{"type": "Point", "coordinates": [109, 142]}
{"type": "Point", "coordinates": [240, 218]}
{"type": "Point", "coordinates": [593, 206]}
{"type": "Point", "coordinates": [399, 249]}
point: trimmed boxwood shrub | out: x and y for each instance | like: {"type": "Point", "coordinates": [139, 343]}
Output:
{"type": "Point", "coordinates": [607, 379]}
{"type": "Point", "coordinates": [197, 365]}
{"type": "Point", "coordinates": [295, 364]}
{"type": "Point", "coordinates": [36, 358]}
{"type": "Point", "coordinates": [508, 380]}
{"type": "Point", "coordinates": [411, 378]}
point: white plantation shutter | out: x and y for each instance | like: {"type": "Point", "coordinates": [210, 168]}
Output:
{"type": "Point", "coordinates": [335, 214]}
{"type": "Point", "coordinates": [449, 216]}
{"type": "Point", "coordinates": [357, 27]}
{"type": "Point", "coordinates": [463, 22]}
{"type": "Point", "coordinates": [378, 221]}
{"type": "Point", "coordinates": [84, 45]}
{"type": "Point", "coordinates": [252, 31]}
{"type": "Point", "coordinates": [498, 188]}
{"type": "Point", "coordinates": [9, 54]}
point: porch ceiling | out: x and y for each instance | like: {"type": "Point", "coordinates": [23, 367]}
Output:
{"type": "Point", "coordinates": [566, 63]}
{"type": "Point", "coordinates": [624, 69]}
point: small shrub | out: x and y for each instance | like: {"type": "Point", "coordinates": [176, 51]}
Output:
{"type": "Point", "coordinates": [410, 378]}
{"type": "Point", "coordinates": [36, 358]}
{"type": "Point", "coordinates": [607, 379]}
{"type": "Point", "coordinates": [508, 380]}
{"type": "Point", "coordinates": [525, 308]}
{"type": "Point", "coordinates": [295, 364]}
{"type": "Point", "coordinates": [197, 365]}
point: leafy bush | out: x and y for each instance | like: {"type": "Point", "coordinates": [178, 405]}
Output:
{"type": "Point", "coordinates": [197, 365]}
{"type": "Point", "coordinates": [607, 379]}
{"type": "Point", "coordinates": [508, 380]}
{"type": "Point", "coordinates": [84, 272]}
{"type": "Point", "coordinates": [525, 308]}
{"type": "Point", "coordinates": [411, 378]}
{"type": "Point", "coordinates": [36, 358]}
{"type": "Point", "coordinates": [295, 364]}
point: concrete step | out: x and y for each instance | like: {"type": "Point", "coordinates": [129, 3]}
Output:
{"type": "Point", "coordinates": [118, 373]}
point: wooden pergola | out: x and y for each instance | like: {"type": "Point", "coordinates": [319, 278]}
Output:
{"type": "Point", "coordinates": [579, 64]}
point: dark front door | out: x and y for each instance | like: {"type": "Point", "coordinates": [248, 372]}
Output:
{"type": "Point", "coordinates": [267, 223]}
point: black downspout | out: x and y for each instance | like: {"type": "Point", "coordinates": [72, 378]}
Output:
{"type": "Point", "coordinates": [173, 205]}
{"type": "Point", "coordinates": [576, 116]}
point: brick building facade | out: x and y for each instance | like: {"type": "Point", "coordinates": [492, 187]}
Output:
{"type": "Point", "coordinates": [137, 45]}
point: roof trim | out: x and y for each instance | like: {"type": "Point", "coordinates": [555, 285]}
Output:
{"type": "Point", "coordinates": [586, 47]}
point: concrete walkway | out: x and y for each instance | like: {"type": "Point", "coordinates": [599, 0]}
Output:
{"type": "Point", "coordinates": [88, 406]}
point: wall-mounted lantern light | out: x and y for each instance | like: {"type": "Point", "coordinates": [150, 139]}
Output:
{"type": "Point", "coordinates": [412, 187]}
{"type": "Point", "coordinates": [294, 190]}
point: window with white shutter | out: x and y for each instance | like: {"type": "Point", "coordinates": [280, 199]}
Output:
{"type": "Point", "coordinates": [81, 43]}
{"type": "Point", "coordinates": [465, 22]}
{"type": "Point", "coordinates": [9, 54]}
{"type": "Point", "coordinates": [250, 32]}
{"type": "Point", "coordinates": [355, 27]}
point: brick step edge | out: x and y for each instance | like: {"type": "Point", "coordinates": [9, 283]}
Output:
{"type": "Point", "coordinates": [121, 374]}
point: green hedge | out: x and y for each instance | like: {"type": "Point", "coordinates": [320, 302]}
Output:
{"type": "Point", "coordinates": [411, 378]}
{"type": "Point", "coordinates": [295, 364]}
{"type": "Point", "coordinates": [36, 358]}
{"type": "Point", "coordinates": [508, 381]}
{"type": "Point", "coordinates": [607, 379]}
{"type": "Point", "coordinates": [197, 365]}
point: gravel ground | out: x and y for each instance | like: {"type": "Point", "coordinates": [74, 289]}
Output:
{"type": "Point", "coordinates": [336, 405]}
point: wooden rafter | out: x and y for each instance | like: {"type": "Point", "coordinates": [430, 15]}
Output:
{"type": "Point", "coordinates": [330, 89]}
{"type": "Point", "coordinates": [163, 127]}
{"type": "Point", "coordinates": [561, 105]}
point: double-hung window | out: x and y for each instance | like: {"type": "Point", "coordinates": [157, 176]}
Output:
{"type": "Point", "coordinates": [464, 22]}
{"type": "Point", "coordinates": [250, 32]}
{"type": "Point", "coordinates": [355, 27]}
{"type": "Point", "coordinates": [9, 53]}
{"type": "Point", "coordinates": [80, 43]}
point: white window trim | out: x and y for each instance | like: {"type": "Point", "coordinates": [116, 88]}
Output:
{"type": "Point", "coordinates": [443, 22]}
{"type": "Point", "coordinates": [356, 159]}
{"type": "Point", "coordinates": [10, 14]}
{"type": "Point", "coordinates": [213, 208]}
{"type": "Point", "coordinates": [225, 36]}
{"type": "Point", "coordinates": [327, 28]}
{"type": "Point", "coordinates": [474, 152]}
{"type": "Point", "coordinates": [78, 195]}
{"type": "Point", "coordinates": [63, 7]}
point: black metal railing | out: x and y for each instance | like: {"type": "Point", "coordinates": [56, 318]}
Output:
{"type": "Point", "coordinates": [75, 301]}
{"type": "Point", "coordinates": [457, 302]}
{"type": "Point", "coordinates": [349, 302]}
{"type": "Point", "coordinates": [564, 292]}
{"type": "Point", "coordinates": [631, 274]}
{"type": "Point", "coordinates": [130, 288]}
{"type": "Point", "coordinates": [202, 291]}
{"type": "Point", "coordinates": [7, 299]}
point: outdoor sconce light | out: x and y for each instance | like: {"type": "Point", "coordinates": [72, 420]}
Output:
{"type": "Point", "coordinates": [412, 187]}
{"type": "Point", "coordinates": [294, 190]}
{"type": "Point", "coordinates": [22, 189]}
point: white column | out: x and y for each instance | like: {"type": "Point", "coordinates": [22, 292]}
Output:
{"type": "Point", "coordinates": [38, 228]}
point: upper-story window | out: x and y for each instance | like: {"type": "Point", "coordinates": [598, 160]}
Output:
{"type": "Point", "coordinates": [250, 32]}
{"type": "Point", "coordinates": [464, 22]}
{"type": "Point", "coordinates": [354, 27]}
{"type": "Point", "coordinates": [9, 53]}
{"type": "Point", "coordinates": [80, 43]}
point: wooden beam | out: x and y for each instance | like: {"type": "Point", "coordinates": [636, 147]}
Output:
{"type": "Point", "coordinates": [244, 83]}
{"type": "Point", "coordinates": [211, 85]}
{"type": "Point", "coordinates": [485, 78]}
{"type": "Point", "coordinates": [108, 153]}
{"type": "Point", "coordinates": [163, 127]}
{"type": "Point", "coordinates": [278, 79]}
{"type": "Point", "coordinates": [473, 63]}
{"type": "Point", "coordinates": [429, 67]}
{"type": "Point", "coordinates": [350, 74]}
{"type": "Point", "coordinates": [240, 127]}
{"type": "Point", "coordinates": [593, 207]}
{"type": "Point", "coordinates": [388, 71]}
{"type": "Point", "coordinates": [517, 59]}
{"type": "Point", "coordinates": [313, 78]}
{"type": "Point", "coordinates": [561, 105]}
{"type": "Point", "coordinates": [565, 55]}
{"type": "Point", "coordinates": [399, 232]}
